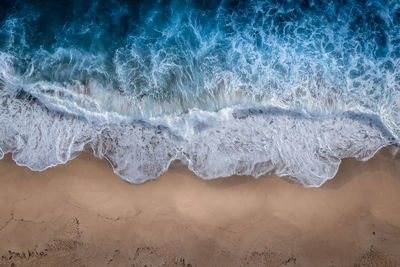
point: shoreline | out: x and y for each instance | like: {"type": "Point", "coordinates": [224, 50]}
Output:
{"type": "Point", "coordinates": [81, 213]}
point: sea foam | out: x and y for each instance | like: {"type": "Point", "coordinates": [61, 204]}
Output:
{"type": "Point", "coordinates": [254, 141]}
{"type": "Point", "coordinates": [234, 87]}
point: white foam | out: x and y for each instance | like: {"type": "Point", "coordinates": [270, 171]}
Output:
{"type": "Point", "coordinates": [232, 141]}
{"type": "Point", "coordinates": [308, 149]}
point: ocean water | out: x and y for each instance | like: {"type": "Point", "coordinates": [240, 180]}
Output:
{"type": "Point", "coordinates": [226, 87]}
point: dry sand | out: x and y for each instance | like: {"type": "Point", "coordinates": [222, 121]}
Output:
{"type": "Point", "coordinates": [81, 214]}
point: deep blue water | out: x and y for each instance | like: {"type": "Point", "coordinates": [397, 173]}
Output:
{"type": "Point", "coordinates": [226, 87]}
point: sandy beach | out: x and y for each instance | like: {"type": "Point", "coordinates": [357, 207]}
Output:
{"type": "Point", "coordinates": [82, 214]}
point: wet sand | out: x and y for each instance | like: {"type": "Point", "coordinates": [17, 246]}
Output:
{"type": "Point", "coordinates": [82, 214]}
